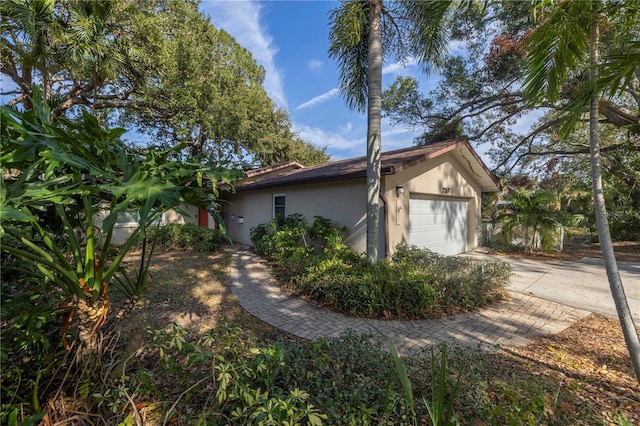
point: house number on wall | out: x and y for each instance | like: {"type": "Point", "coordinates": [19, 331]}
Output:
{"type": "Point", "coordinates": [446, 190]}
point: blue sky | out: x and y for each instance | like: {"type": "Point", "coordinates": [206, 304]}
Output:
{"type": "Point", "coordinates": [290, 39]}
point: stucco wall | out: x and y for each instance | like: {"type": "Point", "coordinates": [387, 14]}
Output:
{"type": "Point", "coordinates": [343, 202]}
{"type": "Point", "coordinates": [440, 178]}
{"type": "Point", "coordinates": [122, 231]}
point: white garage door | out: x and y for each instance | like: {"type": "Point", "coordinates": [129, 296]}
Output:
{"type": "Point", "coordinates": [438, 225]}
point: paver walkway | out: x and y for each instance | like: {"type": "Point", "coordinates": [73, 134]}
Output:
{"type": "Point", "coordinates": [513, 322]}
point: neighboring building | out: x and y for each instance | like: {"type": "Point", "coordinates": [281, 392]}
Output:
{"type": "Point", "coordinates": [127, 221]}
{"type": "Point", "coordinates": [430, 197]}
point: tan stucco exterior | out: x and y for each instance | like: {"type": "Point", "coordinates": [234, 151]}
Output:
{"type": "Point", "coordinates": [439, 178]}
{"type": "Point", "coordinates": [344, 202]}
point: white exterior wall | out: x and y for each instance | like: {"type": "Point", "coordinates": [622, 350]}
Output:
{"type": "Point", "coordinates": [122, 231]}
{"type": "Point", "coordinates": [343, 202]}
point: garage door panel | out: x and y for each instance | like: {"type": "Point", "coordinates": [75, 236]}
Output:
{"type": "Point", "coordinates": [438, 225]}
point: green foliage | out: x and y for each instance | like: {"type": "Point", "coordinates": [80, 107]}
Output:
{"type": "Point", "coordinates": [238, 385]}
{"type": "Point", "coordinates": [480, 95]}
{"type": "Point", "coordinates": [441, 406]}
{"type": "Point", "coordinates": [349, 377]}
{"type": "Point", "coordinates": [158, 66]}
{"type": "Point", "coordinates": [292, 244]}
{"type": "Point", "coordinates": [461, 282]}
{"type": "Point", "coordinates": [186, 236]}
{"type": "Point", "coordinates": [536, 214]}
{"type": "Point", "coordinates": [57, 176]}
{"type": "Point", "coordinates": [30, 332]}
{"type": "Point", "coordinates": [517, 403]}
{"type": "Point", "coordinates": [417, 283]}
{"type": "Point", "coordinates": [221, 377]}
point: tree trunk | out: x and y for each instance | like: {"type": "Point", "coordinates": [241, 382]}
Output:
{"type": "Point", "coordinates": [615, 283]}
{"type": "Point", "coordinates": [90, 318]}
{"type": "Point", "coordinates": [374, 93]}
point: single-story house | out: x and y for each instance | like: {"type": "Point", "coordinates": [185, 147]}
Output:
{"type": "Point", "coordinates": [430, 197]}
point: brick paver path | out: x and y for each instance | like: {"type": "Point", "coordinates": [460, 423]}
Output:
{"type": "Point", "coordinates": [513, 322]}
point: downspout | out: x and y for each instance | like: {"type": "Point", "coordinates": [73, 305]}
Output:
{"type": "Point", "coordinates": [386, 225]}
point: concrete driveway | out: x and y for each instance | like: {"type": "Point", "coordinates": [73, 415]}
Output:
{"type": "Point", "coordinates": [582, 284]}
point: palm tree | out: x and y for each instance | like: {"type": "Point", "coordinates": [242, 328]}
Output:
{"type": "Point", "coordinates": [535, 213]}
{"type": "Point", "coordinates": [358, 27]}
{"type": "Point", "coordinates": [567, 40]}
{"type": "Point", "coordinates": [70, 48]}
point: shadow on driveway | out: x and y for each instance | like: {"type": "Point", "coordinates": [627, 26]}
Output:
{"type": "Point", "coordinates": [582, 283]}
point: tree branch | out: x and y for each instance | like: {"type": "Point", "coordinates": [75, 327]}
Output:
{"type": "Point", "coordinates": [579, 151]}
{"type": "Point", "coordinates": [616, 115]}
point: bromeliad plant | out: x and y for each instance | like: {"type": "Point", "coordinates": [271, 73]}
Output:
{"type": "Point", "coordinates": [58, 176]}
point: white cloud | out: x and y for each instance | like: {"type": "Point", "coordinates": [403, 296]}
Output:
{"type": "Point", "coordinates": [241, 19]}
{"type": "Point", "coordinates": [315, 64]}
{"type": "Point", "coordinates": [349, 143]}
{"type": "Point", "coordinates": [400, 66]}
{"type": "Point", "coordinates": [347, 127]}
{"type": "Point", "coordinates": [395, 68]}
{"type": "Point", "coordinates": [319, 99]}
{"type": "Point", "coordinates": [334, 141]}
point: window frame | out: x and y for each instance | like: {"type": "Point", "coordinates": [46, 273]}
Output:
{"type": "Point", "coordinates": [275, 207]}
{"type": "Point", "coordinates": [134, 222]}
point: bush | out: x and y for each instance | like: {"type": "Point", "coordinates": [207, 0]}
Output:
{"type": "Point", "coordinates": [338, 381]}
{"type": "Point", "coordinates": [314, 261]}
{"type": "Point", "coordinates": [186, 236]}
{"type": "Point", "coordinates": [30, 330]}
{"type": "Point", "coordinates": [463, 283]}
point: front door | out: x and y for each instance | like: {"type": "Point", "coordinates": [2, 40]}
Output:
{"type": "Point", "coordinates": [203, 218]}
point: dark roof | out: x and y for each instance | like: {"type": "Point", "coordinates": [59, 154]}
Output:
{"type": "Point", "coordinates": [391, 162]}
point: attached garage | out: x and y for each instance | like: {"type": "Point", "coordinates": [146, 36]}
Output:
{"type": "Point", "coordinates": [439, 225]}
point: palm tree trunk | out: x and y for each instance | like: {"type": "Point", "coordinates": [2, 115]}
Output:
{"type": "Point", "coordinates": [615, 283]}
{"type": "Point", "coordinates": [373, 128]}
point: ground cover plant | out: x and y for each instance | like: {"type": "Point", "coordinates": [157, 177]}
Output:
{"type": "Point", "coordinates": [189, 343]}
{"type": "Point", "coordinates": [189, 236]}
{"type": "Point", "coordinates": [313, 262]}
{"type": "Point", "coordinates": [60, 272]}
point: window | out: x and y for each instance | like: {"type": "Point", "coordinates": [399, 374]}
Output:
{"type": "Point", "coordinates": [128, 217]}
{"type": "Point", "coordinates": [278, 206]}
{"type": "Point", "coordinates": [131, 217]}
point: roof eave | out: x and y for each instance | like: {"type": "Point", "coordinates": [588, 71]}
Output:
{"type": "Point", "coordinates": [320, 179]}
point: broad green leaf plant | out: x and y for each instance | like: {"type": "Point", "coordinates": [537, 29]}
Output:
{"type": "Point", "coordinates": [57, 177]}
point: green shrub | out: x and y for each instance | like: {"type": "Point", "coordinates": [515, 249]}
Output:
{"type": "Point", "coordinates": [314, 261]}
{"type": "Point", "coordinates": [186, 236]}
{"type": "Point", "coordinates": [415, 284]}
{"type": "Point", "coordinates": [463, 283]}
{"type": "Point", "coordinates": [30, 331]}
{"type": "Point", "coordinates": [350, 378]}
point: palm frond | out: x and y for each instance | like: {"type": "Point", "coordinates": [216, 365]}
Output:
{"type": "Point", "coordinates": [426, 32]}
{"type": "Point", "coordinates": [348, 44]}
{"type": "Point", "coordinates": [556, 48]}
